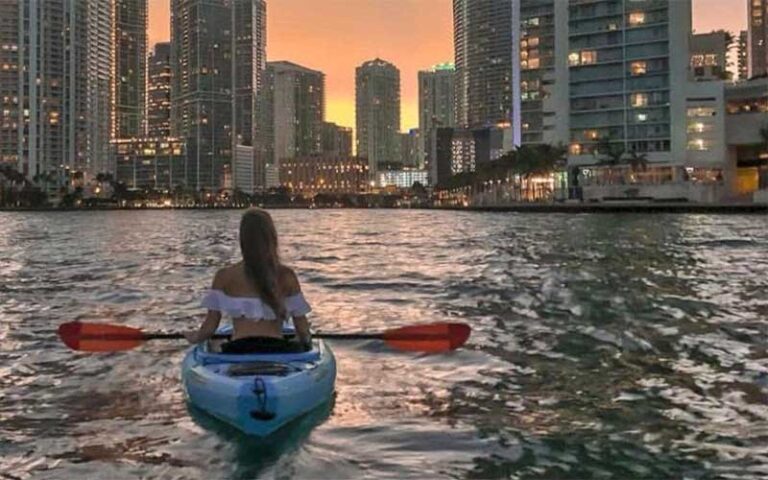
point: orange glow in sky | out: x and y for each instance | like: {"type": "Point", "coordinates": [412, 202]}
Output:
{"type": "Point", "coordinates": [335, 36]}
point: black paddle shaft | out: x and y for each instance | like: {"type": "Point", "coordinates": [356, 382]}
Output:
{"type": "Point", "coordinates": [330, 336]}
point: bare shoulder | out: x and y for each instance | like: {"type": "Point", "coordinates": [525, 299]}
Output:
{"type": "Point", "coordinates": [224, 277]}
{"type": "Point", "coordinates": [289, 281]}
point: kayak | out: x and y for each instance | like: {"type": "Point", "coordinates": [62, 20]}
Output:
{"type": "Point", "coordinates": [258, 393]}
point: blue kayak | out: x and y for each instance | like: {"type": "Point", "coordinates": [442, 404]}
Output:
{"type": "Point", "coordinates": [258, 393]}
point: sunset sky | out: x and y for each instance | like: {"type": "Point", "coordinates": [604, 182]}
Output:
{"type": "Point", "coordinates": [335, 36]}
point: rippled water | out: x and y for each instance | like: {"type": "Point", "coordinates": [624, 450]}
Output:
{"type": "Point", "coordinates": [603, 347]}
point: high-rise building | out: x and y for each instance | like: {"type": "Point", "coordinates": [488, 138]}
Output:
{"type": "Point", "coordinates": [55, 84]}
{"type": "Point", "coordinates": [709, 56]}
{"type": "Point", "coordinates": [217, 50]}
{"type": "Point", "coordinates": [628, 77]}
{"type": "Point", "coordinates": [757, 23]}
{"type": "Point", "coordinates": [485, 44]}
{"type": "Point", "coordinates": [743, 55]}
{"type": "Point", "coordinates": [159, 92]}
{"type": "Point", "coordinates": [437, 106]}
{"type": "Point", "coordinates": [543, 76]}
{"type": "Point", "coordinates": [336, 140]}
{"type": "Point", "coordinates": [250, 26]}
{"type": "Point", "coordinates": [294, 105]}
{"type": "Point", "coordinates": [377, 112]}
{"type": "Point", "coordinates": [130, 70]}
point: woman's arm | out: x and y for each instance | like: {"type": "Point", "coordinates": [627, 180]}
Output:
{"type": "Point", "coordinates": [212, 319]}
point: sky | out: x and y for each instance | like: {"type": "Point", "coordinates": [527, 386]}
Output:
{"type": "Point", "coordinates": [335, 36]}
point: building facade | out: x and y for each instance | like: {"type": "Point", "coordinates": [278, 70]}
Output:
{"type": "Point", "coordinates": [150, 164]}
{"type": "Point", "coordinates": [709, 56]}
{"type": "Point", "coordinates": [249, 20]}
{"type": "Point", "coordinates": [437, 106]}
{"type": "Point", "coordinates": [130, 68]}
{"type": "Point", "coordinates": [201, 89]}
{"type": "Point", "coordinates": [627, 78]}
{"type": "Point", "coordinates": [487, 79]}
{"type": "Point", "coordinates": [377, 112]}
{"type": "Point", "coordinates": [743, 55]}
{"type": "Point", "coordinates": [291, 114]}
{"type": "Point", "coordinates": [757, 38]}
{"type": "Point", "coordinates": [404, 178]}
{"type": "Point", "coordinates": [325, 174]}
{"type": "Point", "coordinates": [159, 92]}
{"type": "Point", "coordinates": [336, 140]}
{"type": "Point", "coordinates": [55, 85]}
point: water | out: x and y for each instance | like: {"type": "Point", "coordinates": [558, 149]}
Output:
{"type": "Point", "coordinates": [603, 347]}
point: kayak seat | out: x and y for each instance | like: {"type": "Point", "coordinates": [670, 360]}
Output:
{"type": "Point", "coordinates": [259, 368]}
{"type": "Point", "coordinates": [261, 345]}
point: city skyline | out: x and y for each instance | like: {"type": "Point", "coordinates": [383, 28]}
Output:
{"type": "Point", "coordinates": [416, 49]}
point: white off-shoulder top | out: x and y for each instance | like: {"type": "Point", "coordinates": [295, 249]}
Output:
{"type": "Point", "coordinates": [252, 308]}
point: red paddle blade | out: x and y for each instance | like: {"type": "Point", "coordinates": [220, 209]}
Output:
{"type": "Point", "coordinates": [96, 337]}
{"type": "Point", "coordinates": [431, 338]}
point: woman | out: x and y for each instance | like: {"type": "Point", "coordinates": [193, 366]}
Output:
{"type": "Point", "coordinates": [259, 293]}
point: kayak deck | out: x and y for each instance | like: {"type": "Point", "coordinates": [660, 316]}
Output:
{"type": "Point", "coordinates": [259, 393]}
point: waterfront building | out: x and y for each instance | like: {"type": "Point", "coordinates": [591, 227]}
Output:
{"type": "Point", "coordinates": [628, 77]}
{"type": "Point", "coordinates": [743, 55]}
{"type": "Point", "coordinates": [377, 112]}
{"type": "Point", "coordinates": [404, 178]}
{"type": "Point", "coordinates": [201, 92]}
{"type": "Point", "coordinates": [461, 150]}
{"type": "Point", "coordinates": [150, 163]}
{"type": "Point", "coordinates": [410, 148]}
{"type": "Point", "coordinates": [485, 45]}
{"type": "Point", "coordinates": [709, 56]}
{"type": "Point", "coordinates": [757, 41]}
{"type": "Point", "coordinates": [243, 171]}
{"type": "Point", "coordinates": [129, 81]}
{"type": "Point", "coordinates": [543, 76]}
{"type": "Point", "coordinates": [159, 92]}
{"type": "Point", "coordinates": [249, 18]}
{"type": "Point", "coordinates": [217, 51]}
{"type": "Point", "coordinates": [315, 174]}
{"type": "Point", "coordinates": [336, 140]}
{"type": "Point", "coordinates": [746, 119]}
{"type": "Point", "coordinates": [55, 85]}
{"type": "Point", "coordinates": [298, 101]}
{"type": "Point", "coordinates": [437, 106]}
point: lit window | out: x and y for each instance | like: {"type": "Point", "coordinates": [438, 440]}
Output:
{"type": "Point", "coordinates": [639, 99]}
{"type": "Point", "coordinates": [573, 58]}
{"type": "Point", "coordinates": [588, 57]}
{"type": "Point", "coordinates": [701, 112]}
{"type": "Point", "coordinates": [638, 68]}
{"type": "Point", "coordinates": [636, 18]}
{"type": "Point", "coordinates": [533, 41]}
{"type": "Point", "coordinates": [642, 117]}
{"type": "Point", "coordinates": [575, 149]}
{"type": "Point", "coordinates": [591, 134]}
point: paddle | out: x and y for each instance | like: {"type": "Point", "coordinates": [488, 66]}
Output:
{"type": "Point", "coordinates": [430, 338]}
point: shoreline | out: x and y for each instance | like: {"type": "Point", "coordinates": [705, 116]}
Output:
{"type": "Point", "coordinates": [732, 209]}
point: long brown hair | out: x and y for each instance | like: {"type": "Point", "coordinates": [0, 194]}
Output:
{"type": "Point", "coordinates": [258, 245]}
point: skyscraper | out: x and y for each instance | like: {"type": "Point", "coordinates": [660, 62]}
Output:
{"type": "Point", "coordinates": [201, 79]}
{"type": "Point", "coordinates": [159, 92]}
{"type": "Point", "coordinates": [293, 117]}
{"type": "Point", "coordinates": [757, 22]}
{"type": "Point", "coordinates": [377, 112]}
{"type": "Point", "coordinates": [436, 105]}
{"type": "Point", "coordinates": [56, 91]}
{"type": "Point", "coordinates": [486, 77]}
{"type": "Point", "coordinates": [130, 71]}
{"type": "Point", "coordinates": [250, 27]}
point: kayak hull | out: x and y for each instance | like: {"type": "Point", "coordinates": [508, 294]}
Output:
{"type": "Point", "coordinates": [260, 393]}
